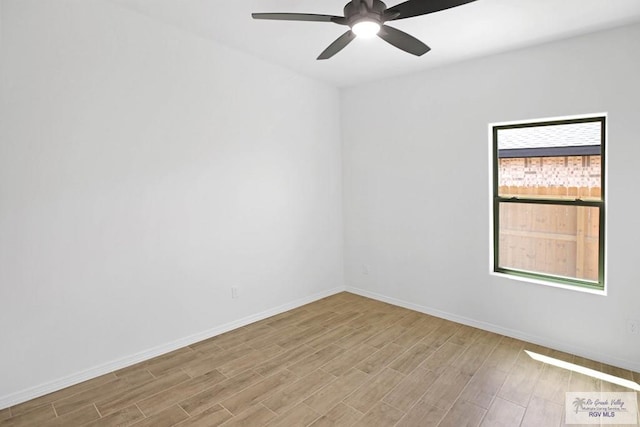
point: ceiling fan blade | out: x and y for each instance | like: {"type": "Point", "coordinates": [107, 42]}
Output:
{"type": "Point", "coordinates": [337, 45]}
{"type": "Point", "coordinates": [403, 41]}
{"type": "Point", "coordinates": [299, 17]}
{"type": "Point", "coordinates": [412, 8]}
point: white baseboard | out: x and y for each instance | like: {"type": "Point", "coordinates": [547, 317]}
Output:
{"type": "Point", "coordinates": [588, 354]}
{"type": "Point", "coordinates": [49, 387]}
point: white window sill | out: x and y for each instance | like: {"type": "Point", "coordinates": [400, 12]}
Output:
{"type": "Point", "coordinates": [551, 284]}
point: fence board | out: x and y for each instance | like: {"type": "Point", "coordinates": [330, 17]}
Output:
{"type": "Point", "coordinates": [552, 239]}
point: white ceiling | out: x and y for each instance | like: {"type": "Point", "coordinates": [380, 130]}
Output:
{"type": "Point", "coordinates": [476, 29]}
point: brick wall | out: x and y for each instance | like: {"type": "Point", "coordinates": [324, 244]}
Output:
{"type": "Point", "coordinates": [566, 171]}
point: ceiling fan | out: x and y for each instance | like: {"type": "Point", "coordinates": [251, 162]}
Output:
{"type": "Point", "coordinates": [366, 18]}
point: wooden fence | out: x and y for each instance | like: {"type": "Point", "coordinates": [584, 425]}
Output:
{"type": "Point", "coordinates": [558, 240]}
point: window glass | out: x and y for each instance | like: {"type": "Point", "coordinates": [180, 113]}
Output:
{"type": "Point", "coordinates": [549, 201]}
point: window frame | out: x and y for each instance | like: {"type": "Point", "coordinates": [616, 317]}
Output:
{"type": "Point", "coordinates": [548, 279]}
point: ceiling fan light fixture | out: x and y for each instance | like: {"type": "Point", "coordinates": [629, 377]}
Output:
{"type": "Point", "coordinates": [366, 29]}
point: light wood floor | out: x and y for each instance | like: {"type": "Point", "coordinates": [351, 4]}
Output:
{"type": "Point", "coordinates": [344, 360]}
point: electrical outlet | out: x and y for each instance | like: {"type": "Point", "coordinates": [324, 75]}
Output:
{"type": "Point", "coordinates": [365, 269]}
{"type": "Point", "coordinates": [235, 292]}
{"type": "Point", "coordinates": [633, 326]}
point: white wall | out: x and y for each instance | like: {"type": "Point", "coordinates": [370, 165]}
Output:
{"type": "Point", "coordinates": [143, 172]}
{"type": "Point", "coordinates": [416, 190]}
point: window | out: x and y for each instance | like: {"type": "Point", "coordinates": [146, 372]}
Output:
{"type": "Point", "coordinates": [548, 201]}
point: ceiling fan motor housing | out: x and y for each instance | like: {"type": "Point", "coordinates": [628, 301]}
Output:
{"type": "Point", "coordinates": [357, 11]}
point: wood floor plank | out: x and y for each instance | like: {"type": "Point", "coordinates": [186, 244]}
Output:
{"type": "Point", "coordinates": [330, 337]}
{"type": "Point", "coordinates": [381, 415]}
{"type": "Point", "coordinates": [301, 336]}
{"type": "Point", "coordinates": [487, 337]}
{"type": "Point", "coordinates": [208, 398]}
{"type": "Point", "coordinates": [412, 358]}
{"type": "Point", "coordinates": [345, 307]}
{"type": "Point", "coordinates": [256, 415]}
{"type": "Point", "coordinates": [39, 415]}
{"type": "Point", "coordinates": [473, 357]}
{"type": "Point", "coordinates": [373, 317]}
{"type": "Point", "coordinates": [166, 418]}
{"type": "Point", "coordinates": [269, 339]}
{"type": "Point", "coordinates": [341, 318]}
{"type": "Point", "coordinates": [521, 380]}
{"type": "Point", "coordinates": [328, 397]}
{"type": "Point", "coordinates": [212, 360]}
{"type": "Point", "coordinates": [541, 412]}
{"type": "Point", "coordinates": [409, 390]}
{"type": "Point", "coordinates": [270, 351]}
{"type": "Point", "coordinates": [463, 414]}
{"type": "Point", "coordinates": [249, 360]}
{"type": "Point", "coordinates": [386, 319]}
{"type": "Point", "coordinates": [6, 413]}
{"type": "Point", "coordinates": [443, 357]}
{"type": "Point", "coordinates": [380, 359]}
{"type": "Point", "coordinates": [484, 386]}
{"type": "Point", "coordinates": [299, 415]}
{"type": "Point", "coordinates": [503, 413]}
{"type": "Point", "coordinates": [173, 395]}
{"type": "Point", "coordinates": [121, 418]}
{"type": "Point", "coordinates": [115, 387]}
{"type": "Point", "coordinates": [293, 394]}
{"type": "Point", "coordinates": [340, 415]}
{"type": "Point", "coordinates": [258, 391]}
{"type": "Point", "coordinates": [130, 396]}
{"type": "Point", "coordinates": [440, 335]}
{"type": "Point", "coordinates": [446, 388]}
{"type": "Point", "coordinates": [316, 360]}
{"type": "Point", "coordinates": [581, 382]}
{"type": "Point", "coordinates": [464, 336]}
{"type": "Point", "coordinates": [283, 360]}
{"type": "Point", "coordinates": [80, 417]}
{"type": "Point", "coordinates": [412, 318]}
{"type": "Point", "coordinates": [358, 336]}
{"type": "Point", "coordinates": [369, 393]}
{"type": "Point", "coordinates": [319, 319]}
{"type": "Point", "coordinates": [343, 363]}
{"type": "Point", "coordinates": [211, 417]}
{"type": "Point", "coordinates": [389, 334]}
{"type": "Point", "coordinates": [422, 414]}
{"type": "Point", "coordinates": [504, 355]}
{"type": "Point", "coordinates": [552, 384]}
